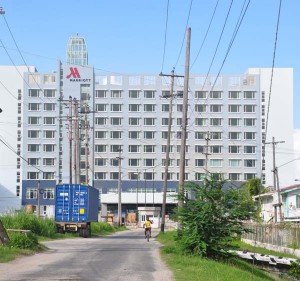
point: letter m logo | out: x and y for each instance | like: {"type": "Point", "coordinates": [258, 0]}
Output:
{"type": "Point", "coordinates": [73, 73]}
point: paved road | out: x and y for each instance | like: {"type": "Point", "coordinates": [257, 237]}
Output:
{"type": "Point", "coordinates": [119, 257]}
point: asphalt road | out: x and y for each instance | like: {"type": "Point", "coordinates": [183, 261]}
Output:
{"type": "Point", "coordinates": [122, 256]}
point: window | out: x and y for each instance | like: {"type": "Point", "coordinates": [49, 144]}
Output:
{"type": "Point", "coordinates": [216, 122]}
{"type": "Point", "coordinates": [199, 162]}
{"type": "Point", "coordinates": [249, 108]}
{"type": "Point", "coordinates": [179, 107]}
{"type": "Point", "coordinates": [48, 175]}
{"type": "Point", "coordinates": [134, 94]}
{"type": "Point", "coordinates": [114, 162]}
{"type": "Point", "coordinates": [200, 108]}
{"type": "Point", "coordinates": [234, 176]}
{"type": "Point", "coordinates": [199, 148]}
{"type": "Point", "coordinates": [133, 162]}
{"type": "Point", "coordinates": [49, 134]}
{"type": "Point", "coordinates": [201, 121]}
{"type": "Point", "coordinates": [101, 107]}
{"type": "Point", "coordinates": [48, 161]}
{"type": "Point", "coordinates": [101, 134]}
{"type": "Point", "coordinates": [200, 94]}
{"type": "Point", "coordinates": [216, 135]}
{"type": "Point", "coordinates": [164, 162]}
{"type": "Point", "coordinates": [249, 149]}
{"type": "Point", "coordinates": [33, 134]}
{"type": "Point", "coordinates": [34, 93]}
{"type": "Point", "coordinates": [149, 107]}
{"type": "Point", "coordinates": [149, 121]}
{"type": "Point", "coordinates": [215, 162]}
{"type": "Point", "coordinates": [115, 134]}
{"type": "Point", "coordinates": [263, 96]}
{"type": "Point", "coordinates": [178, 148]}
{"type": "Point", "coordinates": [134, 148]}
{"type": "Point", "coordinates": [48, 147]}
{"type": "Point", "coordinates": [149, 176]}
{"type": "Point", "coordinates": [200, 135]}
{"type": "Point", "coordinates": [178, 135]}
{"type": "Point", "coordinates": [116, 121]}
{"type": "Point", "coordinates": [134, 121]}
{"type": "Point", "coordinates": [249, 135]}
{"type": "Point", "coordinates": [164, 148]}
{"type": "Point", "coordinates": [49, 93]}
{"type": "Point", "coordinates": [31, 193]}
{"type": "Point", "coordinates": [215, 108]}
{"type": "Point", "coordinates": [179, 121]}
{"type": "Point", "coordinates": [169, 177]}
{"type": "Point", "coordinates": [49, 106]}
{"type": "Point", "coordinates": [248, 176]}
{"type": "Point", "coordinates": [249, 95]}
{"type": "Point", "coordinates": [166, 94]}
{"type": "Point", "coordinates": [234, 95]}
{"type": "Point", "coordinates": [234, 135]}
{"type": "Point", "coordinates": [249, 122]}
{"type": "Point", "coordinates": [100, 148]}
{"type": "Point", "coordinates": [114, 175]}
{"type": "Point", "coordinates": [101, 93]}
{"type": "Point", "coordinates": [250, 163]}
{"type": "Point", "coordinates": [216, 149]}
{"type": "Point", "coordinates": [116, 107]}
{"type": "Point", "coordinates": [33, 147]}
{"type": "Point", "coordinates": [134, 134]}
{"type": "Point", "coordinates": [33, 120]}
{"type": "Point", "coordinates": [199, 176]}
{"type": "Point", "coordinates": [234, 122]}
{"type": "Point", "coordinates": [149, 134]}
{"type": "Point", "coordinates": [100, 161]}
{"type": "Point", "coordinates": [49, 120]}
{"type": "Point", "coordinates": [165, 121]}
{"type": "Point", "coordinates": [164, 135]}
{"type": "Point", "coordinates": [234, 149]}
{"type": "Point", "coordinates": [234, 108]}
{"type": "Point", "coordinates": [234, 163]}
{"type": "Point", "coordinates": [100, 175]}
{"type": "Point", "coordinates": [149, 94]}
{"type": "Point", "coordinates": [179, 94]}
{"type": "Point", "coordinates": [134, 107]}
{"type": "Point", "coordinates": [100, 120]}
{"type": "Point", "coordinates": [33, 106]}
{"type": "Point", "coordinates": [33, 161]}
{"type": "Point", "coordinates": [215, 95]}
{"type": "Point", "coordinates": [165, 107]}
{"type": "Point", "coordinates": [186, 162]}
{"type": "Point", "coordinates": [48, 193]}
{"type": "Point", "coordinates": [33, 175]}
{"type": "Point", "coordinates": [149, 148]}
{"type": "Point", "coordinates": [115, 148]}
{"type": "Point", "coordinates": [149, 162]}
{"type": "Point", "coordinates": [116, 94]}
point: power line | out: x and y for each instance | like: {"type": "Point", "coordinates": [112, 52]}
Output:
{"type": "Point", "coordinates": [165, 41]}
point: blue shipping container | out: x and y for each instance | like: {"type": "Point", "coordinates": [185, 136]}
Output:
{"type": "Point", "coordinates": [76, 203]}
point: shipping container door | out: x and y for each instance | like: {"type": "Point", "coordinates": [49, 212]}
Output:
{"type": "Point", "coordinates": [63, 206]}
{"type": "Point", "coordinates": [80, 195]}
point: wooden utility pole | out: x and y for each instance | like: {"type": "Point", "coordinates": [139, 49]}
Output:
{"type": "Point", "coordinates": [184, 119]}
{"type": "Point", "coordinates": [206, 153]}
{"type": "Point", "coordinates": [76, 143]}
{"type": "Point", "coordinates": [163, 215]}
{"type": "Point", "coordinates": [119, 191]}
{"type": "Point", "coordinates": [276, 181]}
{"type": "Point", "coordinates": [87, 127]}
{"type": "Point", "coordinates": [70, 139]}
{"type": "Point", "coordinates": [38, 211]}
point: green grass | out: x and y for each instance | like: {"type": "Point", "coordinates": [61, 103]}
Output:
{"type": "Point", "coordinates": [187, 267]}
{"type": "Point", "coordinates": [8, 254]}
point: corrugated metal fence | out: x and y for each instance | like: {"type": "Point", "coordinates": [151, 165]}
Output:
{"type": "Point", "coordinates": [282, 235]}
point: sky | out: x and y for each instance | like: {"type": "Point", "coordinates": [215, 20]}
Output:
{"type": "Point", "coordinates": [137, 36]}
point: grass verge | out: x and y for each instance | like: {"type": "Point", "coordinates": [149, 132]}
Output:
{"type": "Point", "coordinates": [194, 268]}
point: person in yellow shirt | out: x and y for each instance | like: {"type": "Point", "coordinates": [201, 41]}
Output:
{"type": "Point", "coordinates": [147, 225]}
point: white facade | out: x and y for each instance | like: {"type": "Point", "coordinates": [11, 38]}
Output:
{"type": "Point", "coordinates": [11, 123]}
{"type": "Point", "coordinates": [297, 153]}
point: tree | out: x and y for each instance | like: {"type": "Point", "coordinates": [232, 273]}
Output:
{"type": "Point", "coordinates": [213, 218]}
{"type": "Point", "coordinates": [255, 187]}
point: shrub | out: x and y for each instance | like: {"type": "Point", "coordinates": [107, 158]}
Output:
{"type": "Point", "coordinates": [21, 241]}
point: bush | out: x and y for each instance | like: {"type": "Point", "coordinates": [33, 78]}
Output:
{"type": "Point", "coordinates": [21, 241]}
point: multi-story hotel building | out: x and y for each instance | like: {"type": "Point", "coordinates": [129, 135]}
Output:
{"type": "Point", "coordinates": [76, 125]}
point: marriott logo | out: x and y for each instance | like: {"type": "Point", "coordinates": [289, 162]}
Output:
{"type": "Point", "coordinates": [74, 76]}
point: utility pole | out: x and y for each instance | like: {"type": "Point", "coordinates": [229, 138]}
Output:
{"type": "Point", "coordinates": [184, 119]}
{"type": "Point", "coordinates": [38, 211]}
{"type": "Point", "coordinates": [163, 215]}
{"type": "Point", "coordinates": [87, 127]}
{"type": "Point", "coordinates": [76, 142]}
{"type": "Point", "coordinates": [276, 180]}
{"type": "Point", "coordinates": [70, 139]}
{"type": "Point", "coordinates": [137, 193]}
{"type": "Point", "coordinates": [119, 191]}
{"type": "Point", "coordinates": [206, 153]}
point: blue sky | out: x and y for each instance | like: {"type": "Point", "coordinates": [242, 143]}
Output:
{"type": "Point", "coordinates": [128, 36]}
